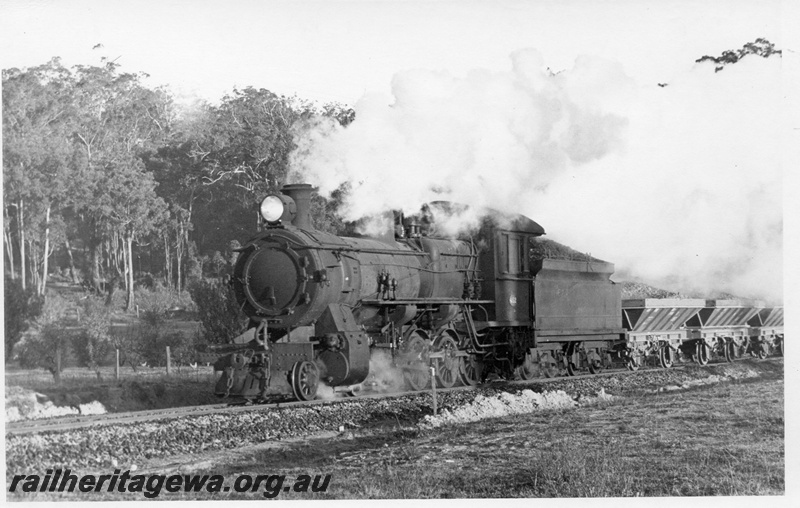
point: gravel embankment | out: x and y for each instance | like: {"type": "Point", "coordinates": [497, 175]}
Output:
{"type": "Point", "coordinates": [124, 445]}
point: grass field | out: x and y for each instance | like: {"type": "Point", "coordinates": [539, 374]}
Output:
{"type": "Point", "coordinates": [722, 440]}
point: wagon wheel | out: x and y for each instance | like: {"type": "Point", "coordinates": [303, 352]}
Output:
{"type": "Point", "coordinates": [447, 368]}
{"type": "Point", "coordinates": [469, 370]}
{"type": "Point", "coordinates": [527, 370]}
{"type": "Point", "coordinates": [763, 350]}
{"type": "Point", "coordinates": [666, 357]}
{"type": "Point", "coordinates": [305, 380]}
{"type": "Point", "coordinates": [417, 374]}
{"type": "Point", "coordinates": [701, 353]}
{"type": "Point", "coordinates": [730, 351]}
{"type": "Point", "coordinates": [780, 347]}
{"type": "Point", "coordinates": [633, 362]}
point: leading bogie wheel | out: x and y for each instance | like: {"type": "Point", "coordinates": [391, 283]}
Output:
{"type": "Point", "coordinates": [305, 380]}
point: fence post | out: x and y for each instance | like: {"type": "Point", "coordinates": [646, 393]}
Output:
{"type": "Point", "coordinates": [57, 375]}
{"type": "Point", "coordinates": [116, 365]}
{"type": "Point", "coordinates": [168, 361]}
{"type": "Point", "coordinates": [433, 389]}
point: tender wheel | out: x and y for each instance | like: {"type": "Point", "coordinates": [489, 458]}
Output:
{"type": "Point", "coordinates": [469, 370]}
{"type": "Point", "coordinates": [595, 365]}
{"type": "Point", "coordinates": [572, 369]}
{"type": "Point", "coordinates": [701, 353]}
{"type": "Point", "coordinates": [666, 357]}
{"type": "Point", "coordinates": [547, 363]}
{"type": "Point", "coordinates": [417, 374]}
{"type": "Point", "coordinates": [305, 380]}
{"type": "Point", "coordinates": [527, 370]}
{"type": "Point", "coordinates": [447, 368]}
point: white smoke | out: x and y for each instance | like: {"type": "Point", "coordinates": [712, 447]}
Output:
{"type": "Point", "coordinates": [680, 186]}
{"type": "Point", "coordinates": [384, 377]}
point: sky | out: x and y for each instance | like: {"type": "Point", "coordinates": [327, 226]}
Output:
{"type": "Point", "coordinates": [337, 50]}
{"type": "Point", "coordinates": [549, 108]}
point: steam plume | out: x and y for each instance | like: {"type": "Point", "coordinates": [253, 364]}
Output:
{"type": "Point", "coordinates": [680, 186]}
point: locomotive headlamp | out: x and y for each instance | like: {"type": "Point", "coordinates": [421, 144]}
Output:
{"type": "Point", "coordinates": [272, 208]}
{"type": "Point", "coordinates": [277, 208]}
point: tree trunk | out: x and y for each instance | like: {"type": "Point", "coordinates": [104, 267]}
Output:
{"type": "Point", "coordinates": [21, 225]}
{"type": "Point", "coordinates": [34, 264]}
{"type": "Point", "coordinates": [179, 249]}
{"type": "Point", "coordinates": [129, 282]}
{"type": "Point", "coordinates": [167, 262]}
{"type": "Point", "coordinates": [96, 253]}
{"type": "Point", "coordinates": [46, 254]}
{"type": "Point", "coordinates": [73, 273]}
{"type": "Point", "coordinates": [179, 257]}
{"type": "Point", "coordinates": [7, 241]}
{"type": "Point", "coordinates": [57, 370]}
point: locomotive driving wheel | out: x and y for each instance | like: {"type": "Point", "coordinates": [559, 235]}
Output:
{"type": "Point", "coordinates": [666, 357]}
{"type": "Point", "coordinates": [305, 380]}
{"type": "Point", "coordinates": [447, 367]}
{"type": "Point", "coordinates": [416, 371]}
{"type": "Point", "coordinates": [470, 370]}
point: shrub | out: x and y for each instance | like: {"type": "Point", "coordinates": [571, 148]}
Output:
{"type": "Point", "coordinates": [93, 343]}
{"type": "Point", "coordinates": [220, 314]}
{"type": "Point", "coordinates": [20, 306]}
{"type": "Point", "coordinates": [46, 341]}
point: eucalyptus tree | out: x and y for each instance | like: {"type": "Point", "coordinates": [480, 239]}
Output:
{"type": "Point", "coordinates": [39, 164]}
{"type": "Point", "coordinates": [119, 120]}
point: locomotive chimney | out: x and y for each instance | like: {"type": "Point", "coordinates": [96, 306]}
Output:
{"type": "Point", "coordinates": [301, 194]}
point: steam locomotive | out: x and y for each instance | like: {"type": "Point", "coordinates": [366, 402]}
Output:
{"type": "Point", "coordinates": [320, 306]}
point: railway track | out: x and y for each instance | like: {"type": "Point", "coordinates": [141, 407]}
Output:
{"type": "Point", "coordinates": [77, 422]}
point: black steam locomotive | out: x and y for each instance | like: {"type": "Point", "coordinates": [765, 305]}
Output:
{"type": "Point", "coordinates": [321, 305]}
